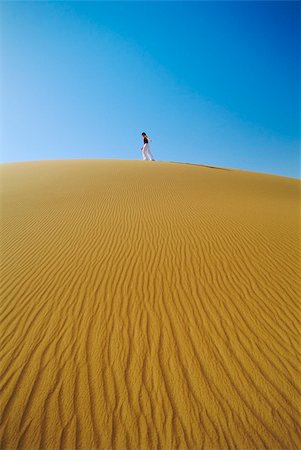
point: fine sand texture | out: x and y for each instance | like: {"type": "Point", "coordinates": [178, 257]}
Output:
{"type": "Point", "coordinates": [149, 305]}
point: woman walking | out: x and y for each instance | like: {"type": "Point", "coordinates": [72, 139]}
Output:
{"type": "Point", "coordinates": [146, 151]}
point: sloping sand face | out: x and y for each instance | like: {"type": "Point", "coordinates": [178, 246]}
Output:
{"type": "Point", "coordinates": [148, 306]}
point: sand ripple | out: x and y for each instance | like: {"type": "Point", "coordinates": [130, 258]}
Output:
{"type": "Point", "coordinates": [148, 306]}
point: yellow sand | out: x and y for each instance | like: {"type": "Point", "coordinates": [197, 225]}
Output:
{"type": "Point", "coordinates": [148, 306]}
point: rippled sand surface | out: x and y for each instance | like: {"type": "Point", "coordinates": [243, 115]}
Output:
{"type": "Point", "coordinates": [148, 306]}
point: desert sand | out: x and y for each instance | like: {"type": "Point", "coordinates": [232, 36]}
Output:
{"type": "Point", "coordinates": [149, 305]}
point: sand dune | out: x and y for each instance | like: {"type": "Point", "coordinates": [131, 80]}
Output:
{"type": "Point", "coordinates": [148, 306]}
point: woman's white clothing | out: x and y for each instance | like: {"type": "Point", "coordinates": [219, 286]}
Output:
{"type": "Point", "coordinates": [146, 153]}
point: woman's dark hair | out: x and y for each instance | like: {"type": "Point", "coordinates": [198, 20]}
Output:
{"type": "Point", "coordinates": [143, 134]}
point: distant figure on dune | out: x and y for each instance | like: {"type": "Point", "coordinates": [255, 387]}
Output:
{"type": "Point", "coordinates": [146, 151]}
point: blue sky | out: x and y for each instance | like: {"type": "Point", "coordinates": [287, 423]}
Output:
{"type": "Point", "coordinates": [212, 83]}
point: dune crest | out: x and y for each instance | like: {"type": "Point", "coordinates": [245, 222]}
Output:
{"type": "Point", "coordinates": [148, 306]}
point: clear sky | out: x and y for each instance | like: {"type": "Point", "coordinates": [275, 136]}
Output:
{"type": "Point", "coordinates": [212, 83]}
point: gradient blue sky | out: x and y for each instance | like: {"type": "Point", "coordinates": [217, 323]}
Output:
{"type": "Point", "coordinates": [212, 83]}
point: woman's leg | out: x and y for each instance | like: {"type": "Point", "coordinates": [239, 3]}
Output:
{"type": "Point", "coordinates": [150, 154]}
{"type": "Point", "coordinates": [144, 152]}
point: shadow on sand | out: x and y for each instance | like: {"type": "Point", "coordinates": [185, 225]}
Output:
{"type": "Point", "coordinates": [200, 165]}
